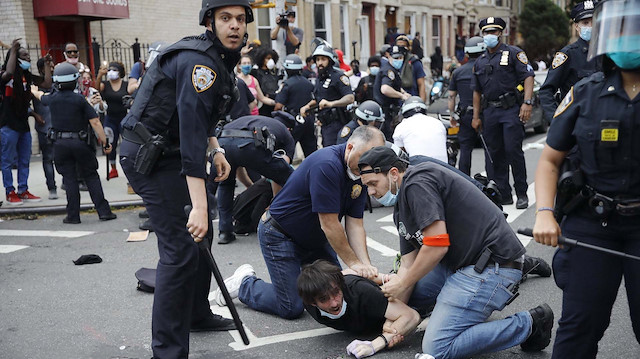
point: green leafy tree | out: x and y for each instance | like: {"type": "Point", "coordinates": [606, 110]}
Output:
{"type": "Point", "coordinates": [544, 28]}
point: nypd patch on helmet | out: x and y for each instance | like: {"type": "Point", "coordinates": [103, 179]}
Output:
{"type": "Point", "coordinates": [566, 102]}
{"type": "Point", "coordinates": [559, 59]}
{"type": "Point", "coordinates": [345, 80]}
{"type": "Point", "coordinates": [523, 57]}
{"type": "Point", "coordinates": [202, 78]}
{"type": "Point", "coordinates": [391, 75]}
{"type": "Point", "coordinates": [345, 131]}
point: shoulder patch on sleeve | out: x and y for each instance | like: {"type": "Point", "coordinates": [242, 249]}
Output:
{"type": "Point", "coordinates": [202, 78]}
{"type": "Point", "coordinates": [280, 88]}
{"type": "Point", "coordinates": [345, 80]}
{"type": "Point", "coordinates": [566, 102]}
{"type": "Point", "coordinates": [391, 75]}
{"type": "Point", "coordinates": [559, 59]}
{"type": "Point", "coordinates": [346, 130]}
{"type": "Point", "coordinates": [523, 57]}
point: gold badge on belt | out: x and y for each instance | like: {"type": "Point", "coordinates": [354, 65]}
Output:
{"type": "Point", "coordinates": [355, 191]}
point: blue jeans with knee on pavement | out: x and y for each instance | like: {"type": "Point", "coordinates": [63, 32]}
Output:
{"type": "Point", "coordinates": [465, 299]}
{"type": "Point", "coordinates": [590, 281]}
{"type": "Point", "coordinates": [16, 150]}
{"type": "Point", "coordinates": [284, 259]}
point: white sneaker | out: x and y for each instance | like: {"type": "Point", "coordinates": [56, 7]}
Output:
{"type": "Point", "coordinates": [233, 283]}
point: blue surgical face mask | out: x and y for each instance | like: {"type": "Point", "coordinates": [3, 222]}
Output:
{"type": "Point", "coordinates": [373, 70]}
{"type": "Point", "coordinates": [490, 40]}
{"type": "Point", "coordinates": [335, 316]}
{"type": "Point", "coordinates": [397, 63]}
{"type": "Point", "coordinates": [245, 69]}
{"type": "Point", "coordinates": [389, 199]}
{"type": "Point", "coordinates": [626, 60]}
{"type": "Point", "coordinates": [585, 33]}
{"type": "Point", "coordinates": [25, 65]}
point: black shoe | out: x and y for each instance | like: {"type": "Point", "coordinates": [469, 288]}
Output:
{"type": "Point", "coordinates": [243, 230]}
{"type": "Point", "coordinates": [522, 203]}
{"type": "Point", "coordinates": [507, 200]}
{"type": "Point", "coordinates": [226, 237]}
{"type": "Point", "coordinates": [540, 267]}
{"type": "Point", "coordinates": [108, 217]}
{"type": "Point", "coordinates": [83, 187]}
{"type": "Point", "coordinates": [214, 323]}
{"type": "Point", "coordinates": [143, 214]}
{"type": "Point", "coordinates": [71, 220]}
{"type": "Point", "coordinates": [146, 226]}
{"type": "Point", "coordinates": [541, 329]}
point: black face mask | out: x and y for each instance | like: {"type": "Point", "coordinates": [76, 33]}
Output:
{"type": "Point", "coordinates": [356, 69]}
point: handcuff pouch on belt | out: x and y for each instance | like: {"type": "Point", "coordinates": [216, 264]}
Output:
{"type": "Point", "coordinates": [571, 192]}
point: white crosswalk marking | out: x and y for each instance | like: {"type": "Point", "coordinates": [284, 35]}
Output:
{"type": "Point", "coordinates": [384, 250]}
{"type": "Point", "coordinates": [8, 248]}
{"type": "Point", "coordinates": [41, 233]}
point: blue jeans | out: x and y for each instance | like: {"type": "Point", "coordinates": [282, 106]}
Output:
{"type": "Point", "coordinates": [46, 148]}
{"type": "Point", "coordinates": [458, 326]}
{"type": "Point", "coordinates": [284, 259]}
{"type": "Point", "coordinates": [16, 150]}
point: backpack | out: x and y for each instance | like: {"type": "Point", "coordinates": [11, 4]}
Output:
{"type": "Point", "coordinates": [249, 205]}
{"type": "Point", "coordinates": [406, 72]}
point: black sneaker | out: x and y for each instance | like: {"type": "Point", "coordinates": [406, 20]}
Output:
{"type": "Point", "coordinates": [108, 217]}
{"type": "Point", "coordinates": [68, 220]}
{"type": "Point", "coordinates": [146, 226]}
{"type": "Point", "coordinates": [522, 203]}
{"type": "Point", "coordinates": [540, 267]}
{"type": "Point", "coordinates": [226, 237]}
{"type": "Point", "coordinates": [143, 214]}
{"type": "Point", "coordinates": [214, 323]}
{"type": "Point", "coordinates": [541, 329]}
{"type": "Point", "coordinates": [507, 200]}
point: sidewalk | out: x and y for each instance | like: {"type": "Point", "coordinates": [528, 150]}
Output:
{"type": "Point", "coordinates": [115, 191]}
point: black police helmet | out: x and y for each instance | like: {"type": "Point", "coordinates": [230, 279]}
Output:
{"type": "Point", "coordinates": [370, 111]}
{"type": "Point", "coordinates": [210, 5]}
{"type": "Point", "coordinates": [293, 62]}
{"type": "Point", "coordinates": [65, 76]}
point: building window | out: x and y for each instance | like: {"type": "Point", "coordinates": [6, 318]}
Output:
{"type": "Point", "coordinates": [435, 31]}
{"type": "Point", "coordinates": [265, 17]}
{"type": "Point", "coordinates": [320, 21]}
{"type": "Point", "coordinates": [499, 3]}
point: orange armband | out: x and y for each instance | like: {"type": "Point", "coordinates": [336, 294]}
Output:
{"type": "Point", "coordinates": [440, 240]}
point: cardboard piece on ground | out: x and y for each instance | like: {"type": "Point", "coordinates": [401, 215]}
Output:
{"type": "Point", "coordinates": [138, 236]}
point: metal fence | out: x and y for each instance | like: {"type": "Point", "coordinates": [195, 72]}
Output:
{"type": "Point", "coordinates": [111, 50]}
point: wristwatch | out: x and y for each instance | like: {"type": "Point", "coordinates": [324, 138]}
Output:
{"type": "Point", "coordinates": [218, 149]}
{"type": "Point", "coordinates": [528, 102]}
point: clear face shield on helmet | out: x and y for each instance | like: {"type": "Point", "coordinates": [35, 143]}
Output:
{"type": "Point", "coordinates": [616, 28]}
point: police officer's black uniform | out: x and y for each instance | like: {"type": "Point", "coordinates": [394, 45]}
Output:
{"type": "Point", "coordinates": [388, 76]}
{"type": "Point", "coordinates": [347, 131]}
{"type": "Point", "coordinates": [185, 92]}
{"type": "Point", "coordinates": [295, 93]}
{"type": "Point", "coordinates": [496, 76]}
{"type": "Point", "coordinates": [331, 85]}
{"type": "Point", "coordinates": [602, 119]}
{"type": "Point", "coordinates": [247, 144]}
{"type": "Point", "coordinates": [461, 83]}
{"type": "Point", "coordinates": [569, 65]}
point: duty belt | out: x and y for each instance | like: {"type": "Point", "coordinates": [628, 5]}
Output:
{"type": "Point", "coordinates": [66, 135]}
{"type": "Point", "coordinates": [237, 133]}
{"type": "Point", "coordinates": [487, 258]}
{"type": "Point", "coordinates": [496, 104]}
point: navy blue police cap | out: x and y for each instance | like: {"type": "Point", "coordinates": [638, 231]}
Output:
{"type": "Point", "coordinates": [491, 23]}
{"type": "Point", "coordinates": [583, 10]}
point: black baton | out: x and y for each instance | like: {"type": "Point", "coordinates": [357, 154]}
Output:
{"type": "Point", "coordinates": [106, 156]}
{"type": "Point", "coordinates": [486, 149]}
{"type": "Point", "coordinates": [573, 243]}
{"type": "Point", "coordinates": [204, 246]}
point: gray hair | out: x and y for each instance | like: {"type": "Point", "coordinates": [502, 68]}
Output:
{"type": "Point", "coordinates": [364, 135]}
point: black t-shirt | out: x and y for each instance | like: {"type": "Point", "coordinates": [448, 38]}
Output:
{"type": "Point", "coordinates": [241, 108]}
{"type": "Point", "coordinates": [366, 307]}
{"type": "Point", "coordinates": [113, 98]}
{"type": "Point", "coordinates": [70, 111]}
{"type": "Point", "coordinates": [12, 115]}
{"type": "Point", "coordinates": [431, 192]}
{"type": "Point", "coordinates": [284, 140]}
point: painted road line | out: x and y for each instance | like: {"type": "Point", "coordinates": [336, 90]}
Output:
{"type": "Point", "coordinates": [388, 218]}
{"type": "Point", "coordinates": [384, 250]}
{"type": "Point", "coordinates": [8, 248]}
{"type": "Point", "coordinates": [391, 229]}
{"type": "Point", "coordinates": [39, 233]}
{"type": "Point", "coordinates": [511, 209]}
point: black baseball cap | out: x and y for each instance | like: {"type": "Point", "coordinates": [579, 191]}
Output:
{"type": "Point", "coordinates": [381, 159]}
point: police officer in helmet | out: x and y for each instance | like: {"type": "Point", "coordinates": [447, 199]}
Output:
{"type": "Point", "coordinates": [70, 115]}
{"type": "Point", "coordinates": [368, 113]}
{"type": "Point", "coordinates": [166, 135]}
{"type": "Point", "coordinates": [294, 93]}
{"type": "Point", "coordinates": [460, 84]}
{"type": "Point", "coordinates": [497, 75]}
{"type": "Point", "coordinates": [601, 116]}
{"type": "Point", "coordinates": [387, 90]}
{"type": "Point", "coordinates": [570, 64]}
{"type": "Point", "coordinates": [332, 93]}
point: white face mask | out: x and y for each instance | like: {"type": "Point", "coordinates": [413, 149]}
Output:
{"type": "Point", "coordinates": [350, 173]}
{"type": "Point", "coordinates": [113, 75]}
{"type": "Point", "coordinates": [335, 316]}
{"type": "Point", "coordinates": [271, 64]}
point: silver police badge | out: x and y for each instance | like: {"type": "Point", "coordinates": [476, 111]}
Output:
{"type": "Point", "coordinates": [202, 78]}
{"type": "Point", "coordinates": [559, 59]}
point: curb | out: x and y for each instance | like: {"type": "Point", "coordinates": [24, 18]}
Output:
{"type": "Point", "coordinates": [63, 208]}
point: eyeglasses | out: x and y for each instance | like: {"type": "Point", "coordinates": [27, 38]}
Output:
{"type": "Point", "coordinates": [71, 52]}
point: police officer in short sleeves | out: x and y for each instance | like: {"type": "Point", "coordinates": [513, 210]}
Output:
{"type": "Point", "coordinates": [388, 91]}
{"type": "Point", "coordinates": [601, 115]}
{"type": "Point", "coordinates": [186, 91]}
{"type": "Point", "coordinates": [294, 93]}
{"type": "Point", "coordinates": [332, 93]}
{"type": "Point", "coordinates": [570, 64]}
{"type": "Point", "coordinates": [497, 74]}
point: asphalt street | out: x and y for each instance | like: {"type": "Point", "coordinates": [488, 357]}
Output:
{"type": "Point", "coordinates": [50, 308]}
